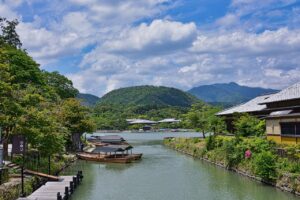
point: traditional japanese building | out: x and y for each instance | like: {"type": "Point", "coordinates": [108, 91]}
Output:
{"type": "Point", "coordinates": [280, 110]}
{"type": "Point", "coordinates": [253, 107]}
{"type": "Point", "coordinates": [283, 123]}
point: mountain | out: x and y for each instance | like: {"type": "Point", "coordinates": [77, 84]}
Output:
{"type": "Point", "coordinates": [228, 93]}
{"type": "Point", "coordinates": [88, 99]}
{"type": "Point", "coordinates": [149, 95]}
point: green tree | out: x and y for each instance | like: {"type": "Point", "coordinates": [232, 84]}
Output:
{"type": "Point", "coordinates": [217, 124]}
{"type": "Point", "coordinates": [9, 34]}
{"type": "Point", "coordinates": [247, 125]}
{"type": "Point", "coordinates": [197, 117]}
{"type": "Point", "coordinates": [62, 86]}
{"type": "Point", "coordinates": [76, 118]}
{"type": "Point", "coordinates": [42, 128]}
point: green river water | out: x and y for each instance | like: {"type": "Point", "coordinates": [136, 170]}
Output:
{"type": "Point", "coordinates": [164, 174]}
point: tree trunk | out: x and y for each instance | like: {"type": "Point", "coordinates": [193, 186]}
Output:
{"type": "Point", "coordinates": [5, 143]}
{"type": "Point", "coordinates": [5, 149]}
{"type": "Point", "coordinates": [203, 134]}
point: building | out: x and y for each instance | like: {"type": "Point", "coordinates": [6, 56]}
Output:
{"type": "Point", "coordinates": [283, 123]}
{"type": "Point", "coordinates": [169, 120]}
{"type": "Point", "coordinates": [253, 107]}
{"type": "Point", "coordinates": [280, 110]}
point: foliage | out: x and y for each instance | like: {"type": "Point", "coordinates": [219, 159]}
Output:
{"type": "Point", "coordinates": [202, 117]}
{"type": "Point", "coordinates": [9, 34]}
{"type": "Point", "coordinates": [149, 95]}
{"type": "Point", "coordinates": [233, 153]}
{"type": "Point", "coordinates": [33, 102]}
{"type": "Point", "coordinates": [230, 152]}
{"type": "Point", "coordinates": [75, 117]}
{"type": "Point", "coordinates": [62, 86]}
{"type": "Point", "coordinates": [210, 142]}
{"type": "Point", "coordinates": [113, 116]}
{"type": "Point", "coordinates": [265, 165]}
{"type": "Point", "coordinates": [87, 99]}
{"type": "Point", "coordinates": [247, 125]}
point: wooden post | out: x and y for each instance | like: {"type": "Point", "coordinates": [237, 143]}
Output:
{"type": "Point", "coordinates": [75, 182]}
{"type": "Point", "coordinates": [59, 197]}
{"type": "Point", "coordinates": [71, 187]}
{"type": "Point", "coordinates": [66, 193]}
{"type": "Point", "coordinates": [81, 175]}
{"type": "Point", "coordinates": [49, 165]}
{"type": "Point", "coordinates": [78, 178]}
{"type": "Point", "coordinates": [22, 181]}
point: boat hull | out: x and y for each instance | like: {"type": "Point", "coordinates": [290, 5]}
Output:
{"type": "Point", "coordinates": [109, 158]}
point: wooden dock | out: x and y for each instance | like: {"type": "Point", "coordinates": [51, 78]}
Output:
{"type": "Point", "coordinates": [56, 190]}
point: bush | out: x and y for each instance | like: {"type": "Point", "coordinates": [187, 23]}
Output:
{"type": "Point", "coordinates": [265, 165]}
{"type": "Point", "coordinates": [247, 125]}
{"type": "Point", "coordinates": [233, 155]}
{"type": "Point", "coordinates": [210, 143]}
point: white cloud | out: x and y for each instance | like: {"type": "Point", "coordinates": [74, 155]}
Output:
{"type": "Point", "coordinates": [281, 41]}
{"type": "Point", "coordinates": [7, 12]}
{"type": "Point", "coordinates": [157, 37]}
{"type": "Point", "coordinates": [134, 43]}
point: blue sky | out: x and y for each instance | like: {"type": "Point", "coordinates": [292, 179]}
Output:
{"type": "Point", "coordinates": [102, 45]}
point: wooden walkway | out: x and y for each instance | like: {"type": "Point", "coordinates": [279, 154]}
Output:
{"type": "Point", "coordinates": [56, 190]}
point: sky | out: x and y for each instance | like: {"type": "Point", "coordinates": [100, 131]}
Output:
{"type": "Point", "coordinates": [102, 45]}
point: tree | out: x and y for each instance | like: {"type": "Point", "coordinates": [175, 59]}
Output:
{"type": "Point", "coordinates": [18, 72]}
{"type": "Point", "coordinates": [247, 125]}
{"type": "Point", "coordinates": [40, 125]}
{"type": "Point", "coordinates": [9, 34]}
{"type": "Point", "coordinates": [197, 117]}
{"type": "Point", "coordinates": [62, 86]}
{"type": "Point", "coordinates": [76, 119]}
{"type": "Point", "coordinates": [203, 117]}
{"type": "Point", "coordinates": [216, 123]}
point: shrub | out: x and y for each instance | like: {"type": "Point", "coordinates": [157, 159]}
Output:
{"type": "Point", "coordinates": [233, 156]}
{"type": "Point", "coordinates": [265, 165]}
{"type": "Point", "coordinates": [247, 125]}
{"type": "Point", "coordinates": [210, 143]}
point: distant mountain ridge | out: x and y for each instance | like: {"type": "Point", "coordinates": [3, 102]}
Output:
{"type": "Point", "coordinates": [88, 99]}
{"type": "Point", "coordinates": [228, 93]}
{"type": "Point", "coordinates": [149, 95]}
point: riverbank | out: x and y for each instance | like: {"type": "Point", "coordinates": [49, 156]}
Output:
{"type": "Point", "coordinates": [262, 165]}
{"type": "Point", "coordinates": [11, 190]}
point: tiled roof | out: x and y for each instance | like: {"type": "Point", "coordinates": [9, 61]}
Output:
{"type": "Point", "coordinates": [250, 106]}
{"type": "Point", "coordinates": [292, 92]}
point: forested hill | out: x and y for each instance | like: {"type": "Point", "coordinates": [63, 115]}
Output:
{"type": "Point", "coordinates": [149, 95]}
{"type": "Point", "coordinates": [88, 99]}
{"type": "Point", "coordinates": [228, 93]}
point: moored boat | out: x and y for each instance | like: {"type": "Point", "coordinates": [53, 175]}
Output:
{"type": "Point", "coordinates": [117, 158]}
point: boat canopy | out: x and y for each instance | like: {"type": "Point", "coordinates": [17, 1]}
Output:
{"type": "Point", "coordinates": [112, 148]}
{"type": "Point", "coordinates": [107, 139]}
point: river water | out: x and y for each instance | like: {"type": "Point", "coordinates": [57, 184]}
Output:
{"type": "Point", "coordinates": [164, 174]}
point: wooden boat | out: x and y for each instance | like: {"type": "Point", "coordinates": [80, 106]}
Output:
{"type": "Point", "coordinates": [113, 158]}
{"type": "Point", "coordinates": [136, 156]}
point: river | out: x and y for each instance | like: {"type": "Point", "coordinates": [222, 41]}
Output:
{"type": "Point", "coordinates": [164, 174]}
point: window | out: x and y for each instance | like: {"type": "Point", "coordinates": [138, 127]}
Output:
{"type": "Point", "coordinates": [290, 128]}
